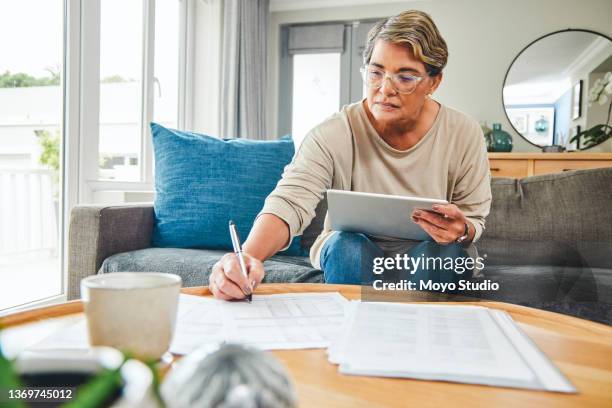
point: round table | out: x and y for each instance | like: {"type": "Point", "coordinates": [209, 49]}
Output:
{"type": "Point", "coordinates": [581, 349]}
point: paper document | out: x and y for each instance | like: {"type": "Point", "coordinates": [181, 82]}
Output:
{"type": "Point", "coordinates": [285, 321]}
{"type": "Point", "coordinates": [73, 336]}
{"type": "Point", "coordinates": [198, 323]}
{"type": "Point", "coordinates": [469, 344]}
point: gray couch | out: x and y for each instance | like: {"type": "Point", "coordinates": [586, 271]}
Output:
{"type": "Point", "coordinates": [548, 243]}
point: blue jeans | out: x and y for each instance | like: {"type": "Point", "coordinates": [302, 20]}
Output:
{"type": "Point", "coordinates": [348, 258]}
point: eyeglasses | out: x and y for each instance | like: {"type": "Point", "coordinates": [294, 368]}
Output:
{"type": "Point", "coordinates": [402, 82]}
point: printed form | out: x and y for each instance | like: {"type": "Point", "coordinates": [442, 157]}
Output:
{"type": "Point", "coordinates": [285, 321]}
{"type": "Point", "coordinates": [469, 344]}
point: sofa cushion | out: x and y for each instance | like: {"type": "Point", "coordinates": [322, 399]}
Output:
{"type": "Point", "coordinates": [569, 207]}
{"type": "Point", "coordinates": [572, 208]}
{"type": "Point", "coordinates": [195, 265]}
{"type": "Point", "coordinates": [202, 182]}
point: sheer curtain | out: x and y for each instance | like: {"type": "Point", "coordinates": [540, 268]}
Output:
{"type": "Point", "coordinates": [243, 69]}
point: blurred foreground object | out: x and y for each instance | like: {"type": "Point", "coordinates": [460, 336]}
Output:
{"type": "Point", "coordinates": [232, 376]}
{"type": "Point", "coordinates": [102, 377]}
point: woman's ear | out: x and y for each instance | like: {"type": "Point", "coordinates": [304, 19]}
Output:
{"type": "Point", "coordinates": [435, 82]}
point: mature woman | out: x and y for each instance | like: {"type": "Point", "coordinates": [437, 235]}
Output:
{"type": "Point", "coordinates": [398, 141]}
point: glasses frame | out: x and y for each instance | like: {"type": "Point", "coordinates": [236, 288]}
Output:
{"type": "Point", "coordinates": [392, 77]}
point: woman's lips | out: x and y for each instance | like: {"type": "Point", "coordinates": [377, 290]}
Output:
{"type": "Point", "coordinates": [387, 106]}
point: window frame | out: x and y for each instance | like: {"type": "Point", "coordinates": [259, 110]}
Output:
{"type": "Point", "coordinates": [80, 113]}
{"type": "Point", "coordinates": [80, 128]}
{"type": "Point", "coordinates": [350, 78]}
{"type": "Point", "coordinates": [88, 179]}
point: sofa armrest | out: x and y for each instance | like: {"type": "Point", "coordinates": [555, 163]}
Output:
{"type": "Point", "coordinates": [97, 232]}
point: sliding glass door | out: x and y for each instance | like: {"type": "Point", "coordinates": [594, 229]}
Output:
{"type": "Point", "coordinates": [31, 109]}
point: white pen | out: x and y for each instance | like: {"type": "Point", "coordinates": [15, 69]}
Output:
{"type": "Point", "coordinates": [238, 251]}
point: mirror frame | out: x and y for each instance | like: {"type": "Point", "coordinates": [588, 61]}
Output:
{"type": "Point", "coordinates": [585, 30]}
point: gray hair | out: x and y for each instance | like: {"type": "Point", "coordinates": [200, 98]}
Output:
{"type": "Point", "coordinates": [416, 30]}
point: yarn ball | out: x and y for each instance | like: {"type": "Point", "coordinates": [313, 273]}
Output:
{"type": "Point", "coordinates": [232, 376]}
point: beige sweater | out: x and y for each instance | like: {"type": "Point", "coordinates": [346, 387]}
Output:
{"type": "Point", "coordinates": [346, 153]}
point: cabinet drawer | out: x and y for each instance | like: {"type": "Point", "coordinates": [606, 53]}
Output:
{"type": "Point", "coordinates": [557, 166]}
{"type": "Point", "coordinates": [508, 168]}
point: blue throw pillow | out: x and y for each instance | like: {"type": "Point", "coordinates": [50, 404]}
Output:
{"type": "Point", "coordinates": [202, 182]}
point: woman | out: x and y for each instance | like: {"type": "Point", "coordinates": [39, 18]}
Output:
{"type": "Point", "coordinates": [398, 141]}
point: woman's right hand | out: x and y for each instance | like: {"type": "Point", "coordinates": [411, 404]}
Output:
{"type": "Point", "coordinates": [226, 280]}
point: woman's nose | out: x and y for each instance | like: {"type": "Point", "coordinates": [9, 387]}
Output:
{"type": "Point", "coordinates": [387, 88]}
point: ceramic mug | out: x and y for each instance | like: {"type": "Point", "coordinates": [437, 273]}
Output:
{"type": "Point", "coordinates": [134, 312]}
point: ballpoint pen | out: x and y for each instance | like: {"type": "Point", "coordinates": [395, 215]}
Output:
{"type": "Point", "coordinates": [238, 251]}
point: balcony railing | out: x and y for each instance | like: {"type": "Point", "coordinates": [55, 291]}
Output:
{"type": "Point", "coordinates": [28, 212]}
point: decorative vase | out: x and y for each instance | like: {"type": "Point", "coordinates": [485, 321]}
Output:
{"type": "Point", "coordinates": [541, 125]}
{"type": "Point", "coordinates": [501, 141]}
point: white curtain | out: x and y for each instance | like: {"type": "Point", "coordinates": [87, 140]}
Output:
{"type": "Point", "coordinates": [243, 69]}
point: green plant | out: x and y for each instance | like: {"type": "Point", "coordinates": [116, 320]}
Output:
{"type": "Point", "coordinates": [115, 79]}
{"type": "Point", "coordinates": [50, 155]}
{"type": "Point", "coordinates": [22, 80]}
{"type": "Point", "coordinates": [599, 133]}
{"type": "Point", "coordinates": [97, 392]}
{"type": "Point", "coordinates": [9, 380]}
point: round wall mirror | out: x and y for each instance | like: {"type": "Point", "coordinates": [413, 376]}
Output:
{"type": "Point", "coordinates": [551, 90]}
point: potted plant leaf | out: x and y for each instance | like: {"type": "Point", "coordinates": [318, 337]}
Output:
{"type": "Point", "coordinates": [600, 92]}
{"type": "Point", "coordinates": [117, 379]}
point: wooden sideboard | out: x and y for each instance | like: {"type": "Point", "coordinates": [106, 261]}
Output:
{"type": "Point", "coordinates": [517, 165]}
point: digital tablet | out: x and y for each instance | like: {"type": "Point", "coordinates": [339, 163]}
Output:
{"type": "Point", "coordinates": [377, 214]}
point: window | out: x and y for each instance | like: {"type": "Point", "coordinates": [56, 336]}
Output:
{"type": "Point", "coordinates": [316, 90]}
{"type": "Point", "coordinates": [165, 105]}
{"type": "Point", "coordinates": [125, 67]}
{"type": "Point", "coordinates": [319, 71]}
{"type": "Point", "coordinates": [79, 84]}
{"type": "Point", "coordinates": [30, 146]}
{"type": "Point", "coordinates": [121, 57]}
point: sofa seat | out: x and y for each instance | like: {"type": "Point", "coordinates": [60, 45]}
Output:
{"type": "Point", "coordinates": [579, 291]}
{"type": "Point", "coordinates": [194, 265]}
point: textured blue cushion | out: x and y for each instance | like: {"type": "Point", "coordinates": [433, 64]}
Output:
{"type": "Point", "coordinates": [202, 182]}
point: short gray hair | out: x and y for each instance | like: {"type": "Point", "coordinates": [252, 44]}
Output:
{"type": "Point", "coordinates": [415, 29]}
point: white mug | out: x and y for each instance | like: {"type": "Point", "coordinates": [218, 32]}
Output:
{"type": "Point", "coordinates": [134, 312]}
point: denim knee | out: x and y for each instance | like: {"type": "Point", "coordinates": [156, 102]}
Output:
{"type": "Point", "coordinates": [431, 249]}
{"type": "Point", "coordinates": [347, 258]}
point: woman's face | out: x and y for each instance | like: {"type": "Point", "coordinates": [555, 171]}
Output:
{"type": "Point", "coordinates": [388, 106]}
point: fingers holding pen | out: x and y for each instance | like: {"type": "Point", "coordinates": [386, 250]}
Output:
{"type": "Point", "coordinates": [222, 285]}
{"type": "Point", "coordinates": [256, 271]}
{"type": "Point", "coordinates": [230, 267]}
{"type": "Point", "coordinates": [227, 280]}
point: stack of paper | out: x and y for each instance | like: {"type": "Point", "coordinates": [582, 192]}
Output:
{"type": "Point", "coordinates": [468, 344]}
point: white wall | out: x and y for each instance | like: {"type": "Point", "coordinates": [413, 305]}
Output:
{"type": "Point", "coordinates": [483, 37]}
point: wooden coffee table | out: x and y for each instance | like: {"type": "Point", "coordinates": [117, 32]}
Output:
{"type": "Point", "coordinates": [581, 349]}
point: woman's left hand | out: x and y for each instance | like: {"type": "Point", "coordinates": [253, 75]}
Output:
{"type": "Point", "coordinates": [444, 223]}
